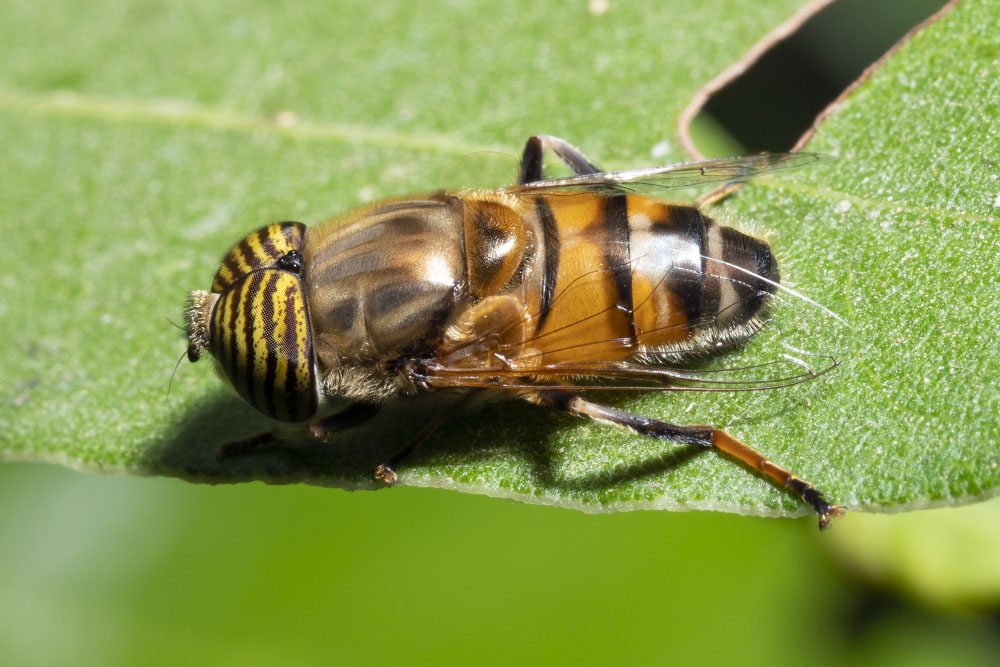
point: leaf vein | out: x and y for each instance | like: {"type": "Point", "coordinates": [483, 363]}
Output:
{"type": "Point", "coordinates": [184, 113]}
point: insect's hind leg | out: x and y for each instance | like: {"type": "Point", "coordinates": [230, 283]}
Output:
{"type": "Point", "coordinates": [706, 436]}
{"type": "Point", "coordinates": [532, 158]}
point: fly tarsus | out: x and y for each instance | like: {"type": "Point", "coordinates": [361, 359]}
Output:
{"type": "Point", "coordinates": [706, 436]}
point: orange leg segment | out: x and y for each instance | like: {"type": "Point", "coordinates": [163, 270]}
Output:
{"type": "Point", "coordinates": [706, 436]}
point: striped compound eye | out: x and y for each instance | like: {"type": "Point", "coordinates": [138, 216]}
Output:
{"type": "Point", "coordinates": [255, 322]}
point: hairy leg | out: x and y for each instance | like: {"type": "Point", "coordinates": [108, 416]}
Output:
{"type": "Point", "coordinates": [533, 157]}
{"type": "Point", "coordinates": [706, 436]}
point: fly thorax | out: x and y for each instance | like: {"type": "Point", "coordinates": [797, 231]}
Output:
{"type": "Point", "coordinates": [255, 323]}
{"type": "Point", "coordinates": [495, 244]}
{"type": "Point", "coordinates": [488, 335]}
{"type": "Point", "coordinates": [383, 286]}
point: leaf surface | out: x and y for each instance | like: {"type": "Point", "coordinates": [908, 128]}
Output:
{"type": "Point", "coordinates": [172, 130]}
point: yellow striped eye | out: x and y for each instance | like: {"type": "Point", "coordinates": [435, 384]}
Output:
{"type": "Point", "coordinates": [256, 323]}
{"type": "Point", "coordinates": [260, 335]}
{"type": "Point", "coordinates": [262, 249]}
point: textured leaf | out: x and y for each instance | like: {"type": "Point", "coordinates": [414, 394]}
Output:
{"type": "Point", "coordinates": [900, 236]}
{"type": "Point", "coordinates": [173, 130]}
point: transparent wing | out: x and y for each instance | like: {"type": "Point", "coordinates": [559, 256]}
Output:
{"type": "Point", "coordinates": [674, 176]}
{"type": "Point", "coordinates": [794, 341]}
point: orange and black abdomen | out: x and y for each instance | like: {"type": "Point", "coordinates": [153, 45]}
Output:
{"type": "Point", "coordinates": [626, 274]}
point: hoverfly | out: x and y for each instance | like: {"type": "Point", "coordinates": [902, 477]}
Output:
{"type": "Point", "coordinates": [533, 291]}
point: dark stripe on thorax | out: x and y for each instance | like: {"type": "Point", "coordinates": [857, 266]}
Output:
{"type": "Point", "coordinates": [550, 267]}
{"type": "Point", "coordinates": [616, 252]}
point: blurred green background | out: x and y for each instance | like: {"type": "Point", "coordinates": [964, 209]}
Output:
{"type": "Point", "coordinates": [126, 570]}
{"type": "Point", "coordinates": [119, 570]}
{"type": "Point", "coordinates": [774, 101]}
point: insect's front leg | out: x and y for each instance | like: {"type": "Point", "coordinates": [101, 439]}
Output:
{"type": "Point", "coordinates": [386, 471]}
{"type": "Point", "coordinates": [320, 429]}
{"type": "Point", "coordinates": [706, 436]}
{"type": "Point", "coordinates": [532, 158]}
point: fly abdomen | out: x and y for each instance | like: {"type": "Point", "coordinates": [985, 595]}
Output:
{"type": "Point", "coordinates": [670, 294]}
{"type": "Point", "coordinates": [696, 283]}
{"type": "Point", "coordinates": [626, 274]}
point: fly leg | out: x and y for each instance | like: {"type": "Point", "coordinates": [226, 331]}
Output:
{"type": "Point", "coordinates": [706, 436]}
{"type": "Point", "coordinates": [717, 194]}
{"type": "Point", "coordinates": [318, 429]}
{"type": "Point", "coordinates": [386, 471]}
{"type": "Point", "coordinates": [531, 159]}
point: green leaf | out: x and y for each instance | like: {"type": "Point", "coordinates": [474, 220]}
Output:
{"type": "Point", "coordinates": [173, 130]}
{"type": "Point", "coordinates": [901, 236]}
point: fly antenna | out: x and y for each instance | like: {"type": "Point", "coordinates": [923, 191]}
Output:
{"type": "Point", "coordinates": [176, 366]}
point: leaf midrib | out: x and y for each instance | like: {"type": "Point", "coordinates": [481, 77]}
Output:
{"type": "Point", "coordinates": [183, 113]}
{"type": "Point", "coordinates": [179, 112]}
